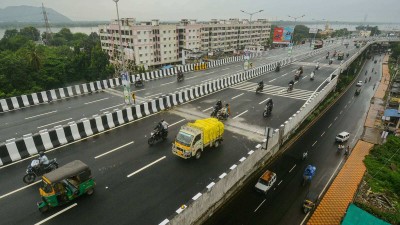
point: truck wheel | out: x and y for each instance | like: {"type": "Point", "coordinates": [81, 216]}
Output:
{"type": "Point", "coordinates": [198, 154]}
{"type": "Point", "coordinates": [216, 144]}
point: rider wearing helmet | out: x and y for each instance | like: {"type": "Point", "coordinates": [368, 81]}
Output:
{"type": "Point", "coordinates": [43, 160]}
{"type": "Point", "coordinates": [218, 105]}
{"type": "Point", "coordinates": [261, 84]}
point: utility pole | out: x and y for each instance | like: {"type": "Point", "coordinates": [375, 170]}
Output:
{"type": "Point", "coordinates": [124, 73]}
{"type": "Point", "coordinates": [47, 25]}
{"type": "Point", "coordinates": [247, 57]}
{"type": "Point", "coordinates": [291, 38]}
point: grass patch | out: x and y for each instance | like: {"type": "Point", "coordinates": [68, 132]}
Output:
{"type": "Point", "coordinates": [383, 176]}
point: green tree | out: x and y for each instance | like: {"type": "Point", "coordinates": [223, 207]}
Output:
{"type": "Point", "coordinates": [10, 33]}
{"type": "Point", "coordinates": [30, 33]}
{"type": "Point", "coordinates": [301, 33]}
{"type": "Point", "coordinates": [33, 54]}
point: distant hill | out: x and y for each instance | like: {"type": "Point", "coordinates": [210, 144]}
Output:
{"type": "Point", "coordinates": [33, 14]}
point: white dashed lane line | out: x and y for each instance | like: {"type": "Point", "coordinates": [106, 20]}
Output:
{"type": "Point", "coordinates": [314, 144]}
{"type": "Point", "coordinates": [43, 114]}
{"type": "Point", "coordinates": [292, 168]}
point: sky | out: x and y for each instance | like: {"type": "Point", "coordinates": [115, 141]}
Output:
{"type": "Point", "coordinates": [202, 10]}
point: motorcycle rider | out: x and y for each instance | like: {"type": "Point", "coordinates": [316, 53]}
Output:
{"type": "Point", "coordinates": [138, 80]}
{"type": "Point", "coordinates": [261, 85]}
{"type": "Point", "coordinates": [347, 55]}
{"type": "Point", "coordinates": [278, 67]}
{"type": "Point", "coordinates": [301, 70]}
{"type": "Point", "coordinates": [330, 61]}
{"type": "Point", "coordinates": [43, 160]}
{"type": "Point", "coordinates": [164, 126]}
{"type": "Point", "coordinates": [226, 111]}
{"type": "Point", "coordinates": [180, 75]}
{"type": "Point", "coordinates": [218, 105]}
{"type": "Point", "coordinates": [291, 85]}
{"type": "Point", "coordinates": [269, 105]}
{"type": "Point", "coordinates": [317, 66]}
{"type": "Point", "coordinates": [312, 75]}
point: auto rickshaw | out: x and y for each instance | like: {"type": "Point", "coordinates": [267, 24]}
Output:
{"type": "Point", "coordinates": [340, 56]}
{"type": "Point", "coordinates": [358, 91]}
{"type": "Point", "coordinates": [310, 201]}
{"type": "Point", "coordinates": [65, 184]}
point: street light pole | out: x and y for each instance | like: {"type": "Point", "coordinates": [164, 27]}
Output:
{"type": "Point", "coordinates": [251, 24]}
{"type": "Point", "coordinates": [291, 38]}
{"type": "Point", "coordinates": [125, 76]}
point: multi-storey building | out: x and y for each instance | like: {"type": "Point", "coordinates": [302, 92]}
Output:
{"type": "Point", "coordinates": [153, 43]}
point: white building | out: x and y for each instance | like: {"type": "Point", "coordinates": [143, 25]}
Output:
{"type": "Point", "coordinates": [153, 43]}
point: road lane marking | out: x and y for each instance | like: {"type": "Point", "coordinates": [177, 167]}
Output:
{"type": "Point", "coordinates": [272, 80]}
{"type": "Point", "coordinates": [335, 118]}
{"type": "Point", "coordinates": [341, 112]}
{"type": "Point", "coordinates": [210, 72]}
{"type": "Point", "coordinates": [115, 149]}
{"type": "Point", "coordinates": [43, 114]}
{"type": "Point", "coordinates": [280, 182]}
{"type": "Point", "coordinates": [259, 205]}
{"type": "Point", "coordinates": [314, 144]}
{"type": "Point", "coordinates": [176, 123]}
{"type": "Point", "coordinates": [183, 86]}
{"type": "Point", "coordinates": [207, 109]}
{"type": "Point", "coordinates": [145, 167]}
{"type": "Point", "coordinates": [98, 100]}
{"type": "Point", "coordinates": [284, 74]}
{"type": "Point", "coordinates": [329, 125]}
{"type": "Point", "coordinates": [54, 123]}
{"type": "Point", "coordinates": [149, 96]}
{"type": "Point", "coordinates": [19, 189]}
{"type": "Point", "coordinates": [240, 114]}
{"type": "Point", "coordinates": [263, 101]}
{"type": "Point", "coordinates": [111, 107]}
{"type": "Point", "coordinates": [56, 214]}
{"type": "Point", "coordinates": [329, 181]}
{"type": "Point", "coordinates": [237, 96]}
{"type": "Point", "coordinates": [304, 220]}
{"type": "Point", "coordinates": [190, 78]}
{"type": "Point", "coordinates": [322, 134]}
{"type": "Point", "coordinates": [226, 68]}
{"type": "Point", "coordinates": [292, 168]}
{"type": "Point", "coordinates": [345, 106]}
{"type": "Point", "coordinates": [167, 83]}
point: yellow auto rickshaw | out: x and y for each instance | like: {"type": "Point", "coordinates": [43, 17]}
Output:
{"type": "Point", "coordinates": [65, 184]}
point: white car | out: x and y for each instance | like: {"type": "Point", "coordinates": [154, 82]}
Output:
{"type": "Point", "coordinates": [359, 83]}
{"type": "Point", "coordinates": [265, 182]}
{"type": "Point", "coordinates": [342, 136]}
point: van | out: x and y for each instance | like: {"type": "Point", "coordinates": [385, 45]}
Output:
{"type": "Point", "coordinates": [343, 136]}
{"type": "Point", "coordinates": [265, 182]}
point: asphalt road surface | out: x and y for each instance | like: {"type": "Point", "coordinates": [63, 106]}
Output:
{"type": "Point", "coordinates": [17, 123]}
{"type": "Point", "coordinates": [283, 203]}
{"type": "Point", "coordinates": [138, 184]}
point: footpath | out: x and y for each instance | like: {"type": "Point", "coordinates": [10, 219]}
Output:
{"type": "Point", "coordinates": [340, 194]}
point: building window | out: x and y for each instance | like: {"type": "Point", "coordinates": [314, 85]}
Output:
{"type": "Point", "coordinates": [144, 32]}
{"type": "Point", "coordinates": [140, 48]}
{"type": "Point", "coordinates": [138, 32]}
{"type": "Point", "coordinates": [164, 32]}
{"type": "Point", "coordinates": [139, 40]}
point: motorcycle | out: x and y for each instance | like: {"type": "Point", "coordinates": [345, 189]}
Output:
{"type": "Point", "coordinates": [157, 135]}
{"type": "Point", "coordinates": [35, 170]}
{"type": "Point", "coordinates": [290, 88]}
{"type": "Point", "coordinates": [259, 89]}
{"type": "Point", "coordinates": [139, 83]}
{"type": "Point", "coordinates": [312, 76]}
{"type": "Point", "coordinates": [267, 111]}
{"type": "Point", "coordinates": [180, 78]}
{"type": "Point", "coordinates": [214, 112]}
{"type": "Point", "coordinates": [222, 116]}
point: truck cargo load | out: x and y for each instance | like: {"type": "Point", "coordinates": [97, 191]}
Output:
{"type": "Point", "coordinates": [212, 129]}
{"type": "Point", "coordinates": [192, 138]}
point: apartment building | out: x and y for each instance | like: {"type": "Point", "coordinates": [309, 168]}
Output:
{"type": "Point", "coordinates": [154, 43]}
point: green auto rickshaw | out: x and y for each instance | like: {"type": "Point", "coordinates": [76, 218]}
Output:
{"type": "Point", "coordinates": [65, 184]}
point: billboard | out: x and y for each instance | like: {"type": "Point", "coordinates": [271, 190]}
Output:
{"type": "Point", "coordinates": [313, 30]}
{"type": "Point", "coordinates": [282, 35]}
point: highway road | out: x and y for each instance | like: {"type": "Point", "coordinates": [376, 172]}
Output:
{"type": "Point", "coordinates": [282, 204]}
{"type": "Point", "coordinates": [138, 184]}
{"type": "Point", "coordinates": [17, 123]}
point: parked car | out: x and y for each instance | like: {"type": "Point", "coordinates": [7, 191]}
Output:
{"type": "Point", "coordinates": [359, 83]}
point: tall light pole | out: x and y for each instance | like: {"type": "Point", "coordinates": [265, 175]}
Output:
{"type": "Point", "coordinates": [315, 34]}
{"type": "Point", "coordinates": [251, 25]}
{"type": "Point", "coordinates": [291, 38]}
{"type": "Point", "coordinates": [124, 74]}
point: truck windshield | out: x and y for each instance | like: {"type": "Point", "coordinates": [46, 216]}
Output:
{"type": "Point", "coordinates": [184, 138]}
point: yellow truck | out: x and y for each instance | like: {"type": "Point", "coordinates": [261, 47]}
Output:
{"type": "Point", "coordinates": [193, 138]}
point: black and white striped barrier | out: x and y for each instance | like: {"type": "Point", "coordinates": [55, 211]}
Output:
{"type": "Point", "coordinates": [14, 150]}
